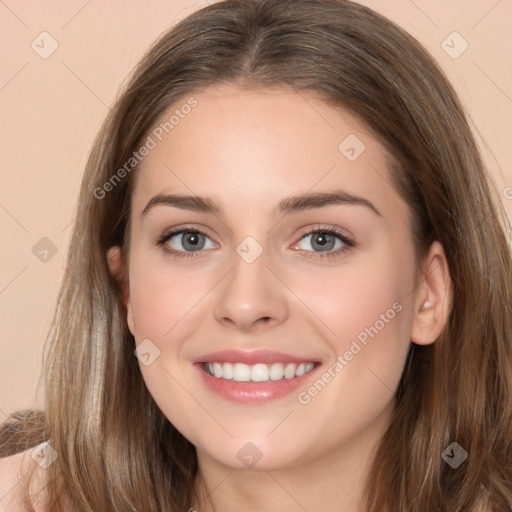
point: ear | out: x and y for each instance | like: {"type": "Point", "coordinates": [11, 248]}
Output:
{"type": "Point", "coordinates": [433, 300]}
{"type": "Point", "coordinates": [118, 269]}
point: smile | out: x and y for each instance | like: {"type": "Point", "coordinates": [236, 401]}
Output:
{"type": "Point", "coordinates": [259, 372]}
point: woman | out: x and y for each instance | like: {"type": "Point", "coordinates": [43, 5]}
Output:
{"type": "Point", "coordinates": [286, 217]}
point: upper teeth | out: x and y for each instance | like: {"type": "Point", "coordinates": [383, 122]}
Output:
{"type": "Point", "coordinates": [259, 372]}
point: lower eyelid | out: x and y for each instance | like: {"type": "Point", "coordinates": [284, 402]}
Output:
{"type": "Point", "coordinates": [347, 243]}
{"type": "Point", "coordinates": [336, 236]}
{"type": "Point", "coordinates": [184, 232]}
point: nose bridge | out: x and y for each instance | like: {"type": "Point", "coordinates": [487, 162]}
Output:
{"type": "Point", "coordinates": [250, 294]}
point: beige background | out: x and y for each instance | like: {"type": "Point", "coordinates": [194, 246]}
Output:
{"type": "Point", "coordinates": [51, 109]}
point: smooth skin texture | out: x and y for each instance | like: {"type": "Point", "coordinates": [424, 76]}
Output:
{"type": "Point", "coordinates": [12, 472]}
{"type": "Point", "coordinates": [248, 150]}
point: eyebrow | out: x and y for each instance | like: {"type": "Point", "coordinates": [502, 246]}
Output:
{"type": "Point", "coordinates": [289, 205]}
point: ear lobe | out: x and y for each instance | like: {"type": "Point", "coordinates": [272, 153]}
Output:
{"type": "Point", "coordinates": [433, 298]}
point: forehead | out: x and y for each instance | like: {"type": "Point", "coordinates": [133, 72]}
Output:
{"type": "Point", "coordinates": [257, 146]}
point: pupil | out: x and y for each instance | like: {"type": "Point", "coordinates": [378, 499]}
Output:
{"type": "Point", "coordinates": [192, 240]}
{"type": "Point", "coordinates": [323, 241]}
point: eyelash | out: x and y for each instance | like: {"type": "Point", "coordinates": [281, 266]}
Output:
{"type": "Point", "coordinates": [348, 243]}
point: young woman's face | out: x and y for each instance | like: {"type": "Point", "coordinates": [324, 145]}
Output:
{"type": "Point", "coordinates": [290, 246]}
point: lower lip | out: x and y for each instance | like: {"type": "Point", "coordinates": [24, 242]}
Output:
{"type": "Point", "coordinates": [251, 392]}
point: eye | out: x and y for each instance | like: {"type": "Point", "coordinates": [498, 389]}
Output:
{"type": "Point", "coordinates": [320, 243]}
{"type": "Point", "coordinates": [185, 241]}
{"type": "Point", "coordinates": [326, 241]}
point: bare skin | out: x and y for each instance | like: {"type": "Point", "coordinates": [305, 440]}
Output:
{"type": "Point", "coordinates": [12, 472]}
{"type": "Point", "coordinates": [248, 151]}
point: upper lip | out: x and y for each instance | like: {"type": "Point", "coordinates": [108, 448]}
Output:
{"type": "Point", "coordinates": [252, 357]}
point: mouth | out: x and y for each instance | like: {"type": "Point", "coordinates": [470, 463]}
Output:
{"type": "Point", "coordinates": [254, 377]}
{"type": "Point", "coordinates": [260, 372]}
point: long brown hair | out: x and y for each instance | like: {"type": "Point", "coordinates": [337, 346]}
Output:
{"type": "Point", "coordinates": [114, 456]}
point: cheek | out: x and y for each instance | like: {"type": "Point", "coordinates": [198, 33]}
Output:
{"type": "Point", "coordinates": [162, 295]}
{"type": "Point", "coordinates": [369, 302]}
{"type": "Point", "coordinates": [367, 307]}
{"type": "Point", "coordinates": [377, 302]}
{"type": "Point", "coordinates": [154, 308]}
{"type": "Point", "coordinates": [162, 301]}
{"type": "Point", "coordinates": [369, 293]}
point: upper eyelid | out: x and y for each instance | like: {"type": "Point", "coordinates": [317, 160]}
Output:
{"type": "Point", "coordinates": [302, 232]}
{"type": "Point", "coordinates": [186, 229]}
{"type": "Point", "coordinates": [180, 230]}
{"type": "Point", "coordinates": [336, 231]}
{"type": "Point", "coordinates": [348, 242]}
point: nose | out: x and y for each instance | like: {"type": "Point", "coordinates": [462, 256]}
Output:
{"type": "Point", "coordinates": [251, 297]}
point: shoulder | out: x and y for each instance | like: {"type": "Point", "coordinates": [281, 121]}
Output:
{"type": "Point", "coordinates": [13, 472]}
{"type": "Point", "coordinates": [10, 477]}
